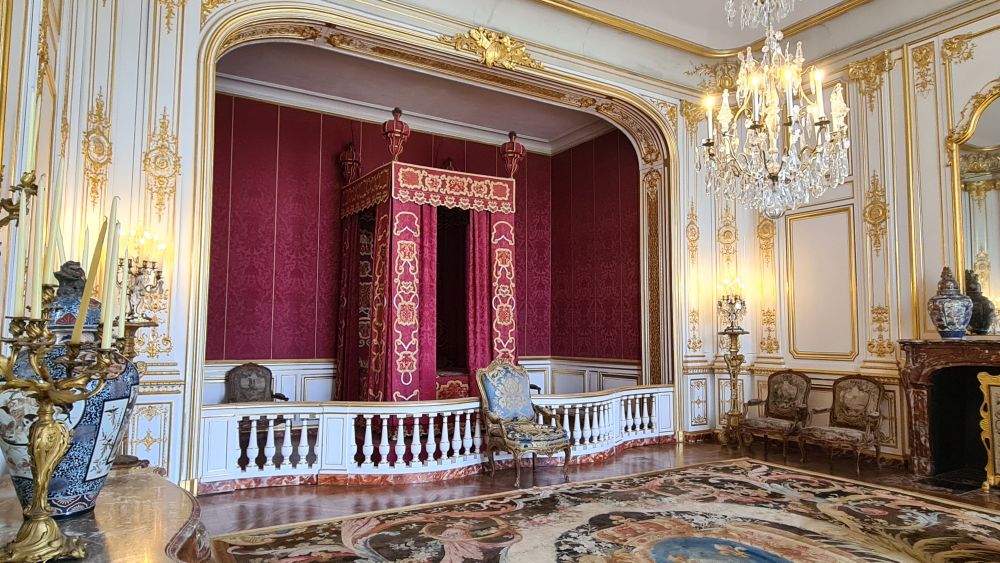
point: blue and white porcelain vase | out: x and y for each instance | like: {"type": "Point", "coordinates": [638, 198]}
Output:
{"type": "Point", "coordinates": [950, 311]}
{"type": "Point", "coordinates": [97, 425]}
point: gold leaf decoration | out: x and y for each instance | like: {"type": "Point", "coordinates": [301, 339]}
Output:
{"type": "Point", "coordinates": [979, 189]}
{"type": "Point", "coordinates": [271, 31]}
{"type": "Point", "coordinates": [880, 344]}
{"type": "Point", "coordinates": [692, 233]}
{"type": "Point", "coordinates": [652, 183]}
{"type": "Point", "coordinates": [987, 162]}
{"type": "Point", "coordinates": [869, 74]}
{"type": "Point", "coordinates": [717, 77]}
{"type": "Point", "coordinates": [694, 342]}
{"type": "Point", "coordinates": [43, 48]}
{"type": "Point", "coordinates": [667, 110]}
{"type": "Point", "coordinates": [727, 235]}
{"type": "Point", "coordinates": [977, 102]}
{"type": "Point", "coordinates": [648, 147]}
{"type": "Point", "coordinates": [923, 64]}
{"type": "Point", "coordinates": [162, 164]}
{"type": "Point", "coordinates": [769, 338]}
{"type": "Point", "coordinates": [171, 7]}
{"type": "Point", "coordinates": [766, 231]}
{"type": "Point", "coordinates": [208, 6]}
{"type": "Point", "coordinates": [958, 49]}
{"type": "Point", "coordinates": [693, 115]}
{"type": "Point", "coordinates": [493, 48]}
{"type": "Point", "coordinates": [699, 402]}
{"type": "Point", "coordinates": [876, 214]}
{"type": "Point", "coordinates": [97, 149]}
{"type": "Point", "coordinates": [983, 267]}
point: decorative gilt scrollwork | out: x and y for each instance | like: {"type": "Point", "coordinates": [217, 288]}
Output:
{"type": "Point", "coordinates": [717, 77]}
{"type": "Point", "coordinates": [957, 49]}
{"type": "Point", "coordinates": [972, 109]}
{"type": "Point", "coordinates": [923, 65]}
{"type": "Point", "coordinates": [493, 48]}
{"type": "Point", "coordinates": [699, 402]}
{"type": "Point", "coordinates": [727, 235]}
{"type": "Point", "coordinates": [208, 6]}
{"type": "Point", "coordinates": [876, 214]}
{"type": "Point", "coordinates": [171, 7]}
{"type": "Point", "coordinates": [652, 182]}
{"type": "Point", "coordinates": [162, 165]}
{"type": "Point", "coordinates": [869, 74]}
{"type": "Point", "coordinates": [694, 342]}
{"type": "Point", "coordinates": [769, 326]}
{"type": "Point", "coordinates": [692, 233]}
{"type": "Point", "coordinates": [667, 110]}
{"type": "Point", "coordinates": [97, 149]}
{"type": "Point", "coordinates": [880, 344]}
{"type": "Point", "coordinates": [694, 115]}
{"type": "Point", "coordinates": [648, 147]}
{"type": "Point", "coordinates": [43, 47]}
{"type": "Point", "coordinates": [766, 231]}
{"type": "Point", "coordinates": [981, 265]}
{"type": "Point", "coordinates": [271, 31]}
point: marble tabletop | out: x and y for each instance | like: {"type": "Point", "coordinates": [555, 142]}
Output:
{"type": "Point", "coordinates": [139, 517]}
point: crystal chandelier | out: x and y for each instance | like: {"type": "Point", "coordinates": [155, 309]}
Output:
{"type": "Point", "coordinates": [776, 147]}
{"type": "Point", "coordinates": [753, 12]}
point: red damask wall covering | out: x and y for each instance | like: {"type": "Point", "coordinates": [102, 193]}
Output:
{"type": "Point", "coordinates": [276, 221]}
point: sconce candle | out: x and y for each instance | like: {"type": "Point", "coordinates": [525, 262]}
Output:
{"type": "Point", "coordinates": [110, 275]}
{"type": "Point", "coordinates": [123, 297]}
{"type": "Point", "coordinates": [20, 252]}
{"type": "Point", "coordinates": [37, 251]}
{"type": "Point", "coordinates": [88, 288]}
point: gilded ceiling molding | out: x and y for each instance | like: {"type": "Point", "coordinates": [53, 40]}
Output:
{"type": "Point", "coordinates": [648, 147]}
{"type": "Point", "coordinates": [716, 77]}
{"type": "Point", "coordinates": [923, 64]}
{"type": "Point", "coordinates": [271, 31]}
{"type": "Point", "coordinates": [876, 214]}
{"type": "Point", "coordinates": [494, 49]}
{"type": "Point", "coordinates": [869, 74]}
{"type": "Point", "coordinates": [766, 231]}
{"type": "Point", "coordinates": [983, 267]}
{"type": "Point", "coordinates": [880, 344]}
{"type": "Point", "coordinates": [97, 149]}
{"type": "Point", "coordinates": [652, 185]}
{"type": "Point", "coordinates": [694, 115]}
{"type": "Point", "coordinates": [692, 233]}
{"type": "Point", "coordinates": [694, 341]}
{"type": "Point", "coordinates": [162, 165]}
{"type": "Point", "coordinates": [208, 6]}
{"type": "Point", "coordinates": [769, 326]}
{"type": "Point", "coordinates": [43, 48]}
{"type": "Point", "coordinates": [171, 7]}
{"type": "Point", "coordinates": [958, 49]}
{"type": "Point", "coordinates": [727, 235]}
{"type": "Point", "coordinates": [962, 131]}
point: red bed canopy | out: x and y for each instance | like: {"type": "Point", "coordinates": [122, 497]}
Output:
{"type": "Point", "coordinates": [387, 349]}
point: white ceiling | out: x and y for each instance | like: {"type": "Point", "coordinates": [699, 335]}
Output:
{"type": "Point", "coordinates": [987, 132]}
{"type": "Point", "coordinates": [318, 78]}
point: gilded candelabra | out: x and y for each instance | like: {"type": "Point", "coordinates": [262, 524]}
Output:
{"type": "Point", "coordinates": [733, 308]}
{"type": "Point", "coordinates": [144, 281]}
{"type": "Point", "coordinates": [9, 206]}
{"type": "Point", "coordinates": [86, 372]}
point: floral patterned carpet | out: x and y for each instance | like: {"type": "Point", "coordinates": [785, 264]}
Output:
{"type": "Point", "coordinates": [742, 510]}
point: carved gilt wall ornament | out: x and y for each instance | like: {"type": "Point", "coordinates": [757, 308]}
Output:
{"type": "Point", "coordinates": [957, 49]}
{"type": "Point", "coordinates": [43, 47]}
{"type": "Point", "coordinates": [766, 231]}
{"type": "Point", "coordinates": [208, 6]}
{"type": "Point", "coordinates": [983, 267]}
{"type": "Point", "coordinates": [97, 149]}
{"type": "Point", "coordinates": [162, 165]}
{"type": "Point", "coordinates": [717, 77]}
{"type": "Point", "coordinates": [961, 131]}
{"type": "Point", "coordinates": [652, 184]}
{"type": "Point", "coordinates": [692, 233]}
{"type": "Point", "coordinates": [979, 162]}
{"type": "Point", "coordinates": [880, 344]}
{"type": "Point", "coordinates": [171, 7]}
{"type": "Point", "coordinates": [876, 214]}
{"type": "Point", "coordinates": [493, 48]}
{"type": "Point", "coordinates": [869, 74]}
{"type": "Point", "coordinates": [769, 326]}
{"type": "Point", "coordinates": [694, 342]}
{"type": "Point", "coordinates": [699, 402]}
{"type": "Point", "coordinates": [923, 66]}
{"type": "Point", "coordinates": [727, 235]}
{"type": "Point", "coordinates": [648, 149]}
{"type": "Point", "coordinates": [694, 115]}
{"type": "Point", "coordinates": [977, 190]}
{"type": "Point", "coordinates": [667, 110]}
{"type": "Point", "coordinates": [64, 115]}
{"type": "Point", "coordinates": [271, 31]}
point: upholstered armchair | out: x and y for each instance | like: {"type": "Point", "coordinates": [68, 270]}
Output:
{"type": "Point", "coordinates": [251, 383]}
{"type": "Point", "coordinates": [785, 411]}
{"type": "Point", "coordinates": [854, 420]}
{"type": "Point", "coordinates": [510, 419]}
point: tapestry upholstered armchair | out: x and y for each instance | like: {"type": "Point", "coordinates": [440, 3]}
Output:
{"type": "Point", "coordinates": [785, 410]}
{"type": "Point", "coordinates": [510, 418]}
{"type": "Point", "coordinates": [854, 420]}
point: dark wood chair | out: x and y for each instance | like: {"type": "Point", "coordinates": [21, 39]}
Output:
{"type": "Point", "coordinates": [251, 383]}
{"type": "Point", "coordinates": [854, 420]}
{"type": "Point", "coordinates": [785, 411]}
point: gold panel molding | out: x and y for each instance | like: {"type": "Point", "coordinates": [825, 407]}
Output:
{"type": "Point", "coordinates": [692, 233]}
{"type": "Point", "coordinates": [769, 326]}
{"type": "Point", "coordinates": [958, 49]}
{"type": "Point", "coordinates": [699, 401]}
{"type": "Point", "coordinates": [43, 48]}
{"type": "Point", "coordinates": [272, 31]}
{"type": "Point", "coordinates": [162, 165]}
{"type": "Point", "coordinates": [648, 147]}
{"type": "Point", "coordinates": [869, 74]}
{"type": "Point", "coordinates": [923, 65]}
{"type": "Point", "coordinates": [979, 162]}
{"type": "Point", "coordinates": [694, 342]}
{"type": "Point", "coordinates": [652, 182]}
{"type": "Point", "coordinates": [494, 49]}
{"type": "Point", "coordinates": [766, 231]}
{"type": "Point", "coordinates": [880, 344]}
{"type": "Point", "coordinates": [97, 149]}
{"type": "Point", "coordinates": [209, 6]}
{"type": "Point", "coordinates": [170, 8]}
{"type": "Point", "coordinates": [969, 117]}
{"type": "Point", "coordinates": [876, 214]}
{"type": "Point", "coordinates": [667, 110]}
{"type": "Point", "coordinates": [727, 235]}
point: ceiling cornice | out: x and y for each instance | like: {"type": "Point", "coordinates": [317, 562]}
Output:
{"type": "Point", "coordinates": [639, 30]}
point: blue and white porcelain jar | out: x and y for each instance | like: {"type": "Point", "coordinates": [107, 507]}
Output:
{"type": "Point", "coordinates": [950, 310]}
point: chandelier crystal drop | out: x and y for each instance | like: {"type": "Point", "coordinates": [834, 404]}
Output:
{"type": "Point", "coordinates": [775, 147]}
{"type": "Point", "coordinates": [754, 12]}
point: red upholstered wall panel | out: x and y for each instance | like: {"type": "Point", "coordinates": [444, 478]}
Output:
{"type": "Point", "coordinates": [275, 228]}
{"type": "Point", "coordinates": [595, 307]}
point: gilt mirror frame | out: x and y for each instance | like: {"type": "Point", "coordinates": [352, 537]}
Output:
{"type": "Point", "coordinates": [960, 134]}
{"type": "Point", "coordinates": [989, 423]}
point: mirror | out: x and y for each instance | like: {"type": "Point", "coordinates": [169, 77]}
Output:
{"type": "Point", "coordinates": [979, 193]}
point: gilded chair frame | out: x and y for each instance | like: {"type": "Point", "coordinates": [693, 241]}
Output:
{"type": "Point", "coordinates": [500, 442]}
{"type": "Point", "coordinates": [989, 422]}
{"type": "Point", "coordinates": [747, 434]}
{"type": "Point", "coordinates": [873, 418]}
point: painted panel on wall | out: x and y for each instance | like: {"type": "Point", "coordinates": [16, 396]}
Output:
{"type": "Point", "coordinates": [821, 289]}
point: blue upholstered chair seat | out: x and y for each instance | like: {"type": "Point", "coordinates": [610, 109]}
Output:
{"type": "Point", "coordinates": [530, 434]}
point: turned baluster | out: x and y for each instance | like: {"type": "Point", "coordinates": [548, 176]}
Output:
{"type": "Point", "coordinates": [431, 438]}
{"type": "Point", "coordinates": [577, 428]}
{"type": "Point", "coordinates": [383, 443]}
{"type": "Point", "coordinates": [643, 403]}
{"type": "Point", "coordinates": [477, 438]}
{"type": "Point", "coordinates": [651, 424]}
{"type": "Point", "coordinates": [443, 445]}
{"type": "Point", "coordinates": [467, 433]}
{"type": "Point", "coordinates": [598, 421]}
{"type": "Point", "coordinates": [369, 447]}
{"type": "Point", "coordinates": [252, 451]}
{"type": "Point", "coordinates": [628, 414]}
{"type": "Point", "coordinates": [587, 430]}
{"type": "Point", "coordinates": [456, 437]}
{"type": "Point", "coordinates": [286, 443]}
{"type": "Point", "coordinates": [608, 434]}
{"type": "Point", "coordinates": [400, 440]}
{"type": "Point", "coordinates": [416, 445]}
{"type": "Point", "coordinates": [269, 443]}
{"type": "Point", "coordinates": [314, 450]}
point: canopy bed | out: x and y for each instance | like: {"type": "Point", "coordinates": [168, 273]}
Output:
{"type": "Point", "coordinates": [394, 322]}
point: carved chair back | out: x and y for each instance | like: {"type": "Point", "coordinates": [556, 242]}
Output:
{"type": "Point", "coordinates": [506, 391]}
{"type": "Point", "coordinates": [787, 394]}
{"type": "Point", "coordinates": [250, 383]}
{"type": "Point", "coordinates": [855, 399]}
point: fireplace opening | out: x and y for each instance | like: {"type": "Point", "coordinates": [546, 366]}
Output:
{"type": "Point", "coordinates": [959, 454]}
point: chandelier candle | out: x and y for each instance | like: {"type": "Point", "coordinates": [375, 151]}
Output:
{"type": "Point", "coordinates": [88, 288]}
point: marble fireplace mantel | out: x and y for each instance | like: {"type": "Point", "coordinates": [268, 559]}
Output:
{"type": "Point", "coordinates": [924, 358]}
